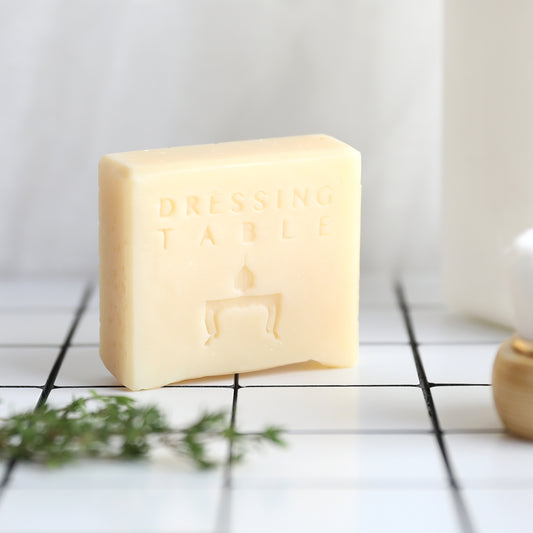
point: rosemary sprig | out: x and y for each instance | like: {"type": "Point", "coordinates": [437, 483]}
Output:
{"type": "Point", "coordinates": [116, 427]}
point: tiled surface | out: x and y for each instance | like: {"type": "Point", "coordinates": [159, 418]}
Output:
{"type": "Point", "coordinates": [40, 294]}
{"type": "Point", "coordinates": [440, 326]}
{"type": "Point", "coordinates": [363, 460]}
{"type": "Point", "coordinates": [135, 510]}
{"type": "Point", "coordinates": [377, 365]}
{"type": "Point", "coordinates": [341, 510]}
{"type": "Point", "coordinates": [30, 365]}
{"type": "Point", "coordinates": [29, 327]}
{"type": "Point", "coordinates": [88, 331]}
{"type": "Point", "coordinates": [459, 363]}
{"type": "Point", "coordinates": [333, 408]}
{"type": "Point", "coordinates": [381, 326]}
{"type": "Point", "coordinates": [466, 408]}
{"type": "Point", "coordinates": [18, 399]}
{"type": "Point", "coordinates": [362, 451]}
{"type": "Point", "coordinates": [497, 510]}
{"type": "Point", "coordinates": [181, 405]}
{"type": "Point", "coordinates": [497, 462]}
{"type": "Point", "coordinates": [84, 368]}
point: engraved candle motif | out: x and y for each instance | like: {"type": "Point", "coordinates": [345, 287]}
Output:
{"type": "Point", "coordinates": [228, 258]}
{"type": "Point", "coordinates": [243, 282]}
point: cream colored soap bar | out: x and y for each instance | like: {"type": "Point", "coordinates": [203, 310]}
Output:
{"type": "Point", "coordinates": [228, 258]}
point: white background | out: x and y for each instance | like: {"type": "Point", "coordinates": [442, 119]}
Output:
{"type": "Point", "coordinates": [81, 78]}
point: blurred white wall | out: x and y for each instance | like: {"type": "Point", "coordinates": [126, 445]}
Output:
{"type": "Point", "coordinates": [80, 78]}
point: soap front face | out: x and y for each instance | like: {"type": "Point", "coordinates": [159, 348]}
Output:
{"type": "Point", "coordinates": [228, 258]}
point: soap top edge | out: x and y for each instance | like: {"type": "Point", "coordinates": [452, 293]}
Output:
{"type": "Point", "coordinates": [233, 153]}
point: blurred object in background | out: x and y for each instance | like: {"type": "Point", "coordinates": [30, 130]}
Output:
{"type": "Point", "coordinates": [85, 78]}
{"type": "Point", "coordinates": [488, 149]}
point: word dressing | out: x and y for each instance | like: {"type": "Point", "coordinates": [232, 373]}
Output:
{"type": "Point", "coordinates": [228, 258]}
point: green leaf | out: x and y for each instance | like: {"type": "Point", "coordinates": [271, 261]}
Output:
{"type": "Point", "coordinates": [117, 427]}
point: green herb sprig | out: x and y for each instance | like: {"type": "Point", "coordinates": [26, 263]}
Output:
{"type": "Point", "coordinates": [117, 427]}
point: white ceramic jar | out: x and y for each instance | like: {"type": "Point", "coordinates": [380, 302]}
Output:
{"type": "Point", "coordinates": [488, 149]}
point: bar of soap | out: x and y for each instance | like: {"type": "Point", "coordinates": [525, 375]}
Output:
{"type": "Point", "coordinates": [228, 258]}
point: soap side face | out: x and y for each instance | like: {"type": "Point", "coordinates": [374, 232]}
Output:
{"type": "Point", "coordinates": [116, 276]}
{"type": "Point", "coordinates": [239, 266]}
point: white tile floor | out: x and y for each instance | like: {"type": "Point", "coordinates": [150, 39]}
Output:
{"type": "Point", "coordinates": [459, 363]}
{"type": "Point", "coordinates": [363, 453]}
{"type": "Point", "coordinates": [333, 408]}
{"type": "Point", "coordinates": [466, 408]}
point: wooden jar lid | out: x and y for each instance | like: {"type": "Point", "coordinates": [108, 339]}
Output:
{"type": "Point", "coordinates": [512, 385]}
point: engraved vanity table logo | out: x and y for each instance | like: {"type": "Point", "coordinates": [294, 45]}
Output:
{"type": "Point", "coordinates": [244, 282]}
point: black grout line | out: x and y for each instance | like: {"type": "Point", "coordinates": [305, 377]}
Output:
{"type": "Point", "coordinates": [21, 387]}
{"type": "Point", "coordinates": [332, 386]}
{"type": "Point", "coordinates": [229, 462]}
{"type": "Point", "coordinates": [47, 387]}
{"type": "Point", "coordinates": [66, 344]}
{"type": "Point", "coordinates": [437, 385]}
{"type": "Point", "coordinates": [277, 386]}
{"type": "Point", "coordinates": [7, 475]}
{"type": "Point", "coordinates": [478, 342]}
{"type": "Point", "coordinates": [224, 505]}
{"type": "Point", "coordinates": [82, 387]}
{"type": "Point", "coordinates": [475, 431]}
{"type": "Point", "coordinates": [464, 517]}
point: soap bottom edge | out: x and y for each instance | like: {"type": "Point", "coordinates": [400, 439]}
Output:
{"type": "Point", "coordinates": [138, 387]}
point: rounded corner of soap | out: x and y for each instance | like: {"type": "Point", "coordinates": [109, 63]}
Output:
{"type": "Point", "coordinates": [353, 152]}
{"type": "Point", "coordinates": [344, 146]}
{"type": "Point", "coordinates": [110, 166]}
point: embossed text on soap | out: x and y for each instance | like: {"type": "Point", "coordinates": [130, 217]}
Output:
{"type": "Point", "coordinates": [235, 216]}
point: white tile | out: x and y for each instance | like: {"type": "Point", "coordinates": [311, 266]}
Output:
{"type": "Point", "coordinates": [34, 327]}
{"type": "Point", "coordinates": [459, 363]}
{"type": "Point", "coordinates": [94, 300]}
{"type": "Point", "coordinates": [14, 401]}
{"type": "Point", "coordinates": [341, 511]}
{"type": "Point", "coordinates": [40, 294]}
{"type": "Point", "coordinates": [465, 408]}
{"type": "Point", "coordinates": [163, 469]}
{"type": "Point", "coordinates": [181, 405]}
{"type": "Point", "coordinates": [83, 367]}
{"type": "Point", "coordinates": [345, 460]}
{"type": "Point", "coordinates": [88, 330]}
{"type": "Point", "coordinates": [109, 510]}
{"type": "Point", "coordinates": [496, 511]}
{"type": "Point", "coordinates": [332, 408]}
{"type": "Point", "coordinates": [26, 366]}
{"type": "Point", "coordinates": [376, 289]}
{"type": "Point", "coordinates": [377, 365]}
{"type": "Point", "coordinates": [423, 289]}
{"type": "Point", "coordinates": [381, 325]}
{"type": "Point", "coordinates": [491, 460]}
{"type": "Point", "coordinates": [442, 326]}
